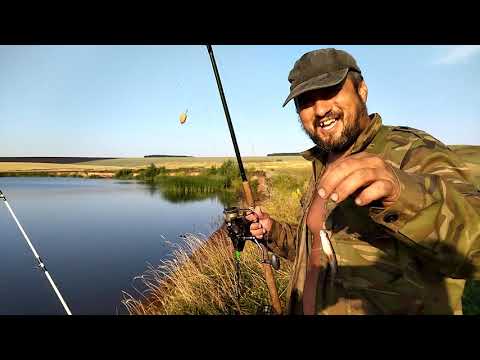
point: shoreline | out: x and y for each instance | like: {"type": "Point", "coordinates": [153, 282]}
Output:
{"type": "Point", "coordinates": [58, 173]}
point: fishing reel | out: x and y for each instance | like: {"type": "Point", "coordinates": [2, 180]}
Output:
{"type": "Point", "coordinates": [238, 228]}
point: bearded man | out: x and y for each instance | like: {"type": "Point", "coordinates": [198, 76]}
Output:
{"type": "Point", "coordinates": [390, 223]}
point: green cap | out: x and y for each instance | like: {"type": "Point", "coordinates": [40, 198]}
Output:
{"type": "Point", "coordinates": [319, 69]}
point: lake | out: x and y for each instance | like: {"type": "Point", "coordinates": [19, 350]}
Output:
{"type": "Point", "coordinates": [94, 236]}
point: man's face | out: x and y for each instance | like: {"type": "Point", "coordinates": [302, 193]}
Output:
{"type": "Point", "coordinates": [334, 117]}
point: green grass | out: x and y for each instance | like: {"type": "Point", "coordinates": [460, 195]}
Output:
{"type": "Point", "coordinates": [200, 183]}
{"type": "Point", "coordinates": [124, 174]}
{"type": "Point", "coordinates": [208, 180]}
{"type": "Point", "coordinates": [284, 196]}
{"type": "Point", "coordinates": [177, 185]}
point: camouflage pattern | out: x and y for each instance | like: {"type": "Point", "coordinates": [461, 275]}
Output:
{"type": "Point", "coordinates": [470, 154]}
{"type": "Point", "coordinates": [410, 258]}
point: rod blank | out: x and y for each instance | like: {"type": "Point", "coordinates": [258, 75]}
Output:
{"type": "Point", "coordinates": [227, 113]}
{"type": "Point", "coordinates": [40, 262]}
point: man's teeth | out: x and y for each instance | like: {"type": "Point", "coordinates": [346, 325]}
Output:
{"type": "Point", "coordinates": [327, 122]}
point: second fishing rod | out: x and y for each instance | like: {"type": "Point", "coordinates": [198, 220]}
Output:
{"type": "Point", "coordinates": [266, 264]}
{"type": "Point", "coordinates": [41, 264]}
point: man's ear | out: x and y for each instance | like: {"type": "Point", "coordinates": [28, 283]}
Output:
{"type": "Point", "coordinates": [363, 91]}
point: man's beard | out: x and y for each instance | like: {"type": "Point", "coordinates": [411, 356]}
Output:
{"type": "Point", "coordinates": [350, 133]}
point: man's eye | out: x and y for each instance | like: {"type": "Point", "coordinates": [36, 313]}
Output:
{"type": "Point", "coordinates": [322, 94]}
{"type": "Point", "coordinates": [329, 92]}
{"type": "Point", "coordinates": [305, 102]}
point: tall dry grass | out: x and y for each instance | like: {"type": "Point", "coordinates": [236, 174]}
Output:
{"type": "Point", "coordinates": [284, 194]}
{"type": "Point", "coordinates": [200, 279]}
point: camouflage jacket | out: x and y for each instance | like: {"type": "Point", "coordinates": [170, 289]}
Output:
{"type": "Point", "coordinates": [410, 258]}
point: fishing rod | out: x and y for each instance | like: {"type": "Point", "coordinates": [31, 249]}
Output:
{"type": "Point", "coordinates": [266, 263]}
{"type": "Point", "coordinates": [39, 260]}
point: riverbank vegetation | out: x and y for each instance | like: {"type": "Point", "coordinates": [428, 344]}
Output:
{"type": "Point", "coordinates": [200, 279]}
{"type": "Point", "coordinates": [193, 184]}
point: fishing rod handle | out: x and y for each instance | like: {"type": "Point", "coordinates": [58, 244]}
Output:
{"type": "Point", "coordinates": [272, 288]}
{"type": "Point", "coordinates": [267, 267]}
{"type": "Point", "coordinates": [247, 191]}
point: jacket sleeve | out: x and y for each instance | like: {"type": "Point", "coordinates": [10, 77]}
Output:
{"type": "Point", "coordinates": [281, 240]}
{"type": "Point", "coordinates": [438, 211]}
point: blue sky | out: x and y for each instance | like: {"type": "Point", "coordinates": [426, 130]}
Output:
{"type": "Point", "coordinates": [125, 100]}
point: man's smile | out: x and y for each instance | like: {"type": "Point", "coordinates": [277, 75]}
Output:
{"type": "Point", "coordinates": [327, 124]}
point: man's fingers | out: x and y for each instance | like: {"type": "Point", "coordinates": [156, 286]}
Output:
{"type": "Point", "coordinates": [258, 233]}
{"type": "Point", "coordinates": [356, 180]}
{"type": "Point", "coordinates": [255, 226]}
{"type": "Point", "coordinates": [332, 177]}
{"type": "Point", "coordinates": [256, 215]}
{"type": "Point", "coordinates": [261, 222]}
{"type": "Point", "coordinates": [257, 230]}
{"type": "Point", "coordinates": [332, 167]}
{"type": "Point", "coordinates": [259, 212]}
{"type": "Point", "coordinates": [375, 191]}
{"type": "Point", "coordinates": [252, 217]}
{"type": "Point", "coordinates": [337, 172]}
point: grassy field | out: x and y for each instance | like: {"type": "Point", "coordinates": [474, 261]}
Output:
{"type": "Point", "coordinates": [270, 164]}
{"type": "Point", "coordinates": [108, 168]}
{"type": "Point", "coordinates": [265, 163]}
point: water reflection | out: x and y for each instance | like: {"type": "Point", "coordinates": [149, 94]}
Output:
{"type": "Point", "coordinates": [177, 194]}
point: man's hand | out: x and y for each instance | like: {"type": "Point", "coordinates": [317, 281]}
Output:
{"type": "Point", "coordinates": [261, 223]}
{"type": "Point", "coordinates": [363, 172]}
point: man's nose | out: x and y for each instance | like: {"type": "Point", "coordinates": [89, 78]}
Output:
{"type": "Point", "coordinates": [321, 108]}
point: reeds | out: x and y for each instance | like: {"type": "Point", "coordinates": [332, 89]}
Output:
{"type": "Point", "coordinates": [200, 279]}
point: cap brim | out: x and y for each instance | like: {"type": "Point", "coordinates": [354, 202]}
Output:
{"type": "Point", "coordinates": [318, 82]}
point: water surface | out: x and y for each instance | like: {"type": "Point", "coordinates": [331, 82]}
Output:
{"type": "Point", "coordinates": [93, 235]}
